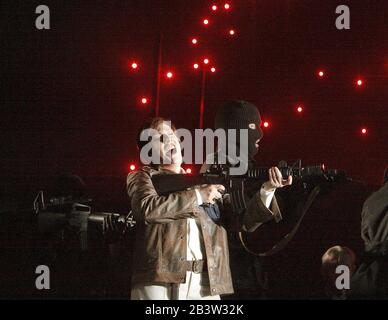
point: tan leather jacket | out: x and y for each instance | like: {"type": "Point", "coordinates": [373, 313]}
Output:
{"type": "Point", "coordinates": [161, 235]}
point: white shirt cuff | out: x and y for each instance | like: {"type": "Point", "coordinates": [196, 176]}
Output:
{"type": "Point", "coordinates": [266, 196]}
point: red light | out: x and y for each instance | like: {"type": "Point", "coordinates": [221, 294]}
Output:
{"type": "Point", "coordinates": [266, 124]}
{"type": "Point", "coordinates": [321, 74]}
{"type": "Point", "coordinates": [214, 7]}
{"type": "Point", "coordinates": [134, 65]}
{"type": "Point", "coordinates": [144, 100]}
{"type": "Point", "coordinates": [169, 75]}
{"type": "Point", "coordinates": [195, 66]}
{"type": "Point", "coordinates": [227, 6]}
{"type": "Point", "coordinates": [205, 61]}
{"type": "Point", "coordinates": [194, 41]}
{"type": "Point", "coordinates": [213, 69]}
{"type": "Point", "coordinates": [188, 170]}
{"type": "Point", "coordinates": [232, 32]}
{"type": "Point", "coordinates": [360, 82]}
{"type": "Point", "coordinates": [132, 167]}
{"type": "Point", "coordinates": [364, 131]}
{"type": "Point", "coordinates": [299, 109]}
{"type": "Point", "coordinates": [205, 21]}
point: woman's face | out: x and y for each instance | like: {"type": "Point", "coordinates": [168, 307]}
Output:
{"type": "Point", "coordinates": [168, 144]}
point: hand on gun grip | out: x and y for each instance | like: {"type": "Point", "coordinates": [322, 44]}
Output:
{"type": "Point", "coordinates": [210, 193]}
{"type": "Point", "coordinates": [276, 180]}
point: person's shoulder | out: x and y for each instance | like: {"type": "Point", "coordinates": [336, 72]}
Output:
{"type": "Point", "coordinates": [144, 171]}
{"type": "Point", "coordinates": [377, 198]}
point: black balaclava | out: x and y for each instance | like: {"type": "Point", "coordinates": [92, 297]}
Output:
{"type": "Point", "coordinates": [238, 114]}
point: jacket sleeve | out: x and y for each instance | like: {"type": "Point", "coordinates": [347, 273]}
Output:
{"type": "Point", "coordinates": [151, 208]}
{"type": "Point", "coordinates": [374, 222]}
{"type": "Point", "coordinates": [257, 213]}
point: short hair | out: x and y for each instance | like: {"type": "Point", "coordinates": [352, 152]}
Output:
{"type": "Point", "coordinates": [336, 256]}
{"type": "Point", "coordinates": [152, 123]}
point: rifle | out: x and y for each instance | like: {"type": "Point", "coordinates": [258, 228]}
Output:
{"type": "Point", "coordinates": [235, 184]}
{"type": "Point", "coordinates": [273, 236]}
{"type": "Point", "coordinates": [64, 212]}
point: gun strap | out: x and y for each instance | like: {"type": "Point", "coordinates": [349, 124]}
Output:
{"type": "Point", "coordinates": [83, 229]}
{"type": "Point", "coordinates": [287, 238]}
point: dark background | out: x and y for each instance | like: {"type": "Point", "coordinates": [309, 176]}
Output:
{"type": "Point", "coordinates": [70, 103]}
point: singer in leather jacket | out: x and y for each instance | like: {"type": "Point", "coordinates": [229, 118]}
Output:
{"type": "Point", "coordinates": [160, 255]}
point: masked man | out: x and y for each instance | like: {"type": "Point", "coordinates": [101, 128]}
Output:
{"type": "Point", "coordinates": [248, 277]}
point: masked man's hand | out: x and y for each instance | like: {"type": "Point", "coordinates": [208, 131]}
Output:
{"type": "Point", "coordinates": [276, 180]}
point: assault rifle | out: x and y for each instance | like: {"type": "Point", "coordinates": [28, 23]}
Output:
{"type": "Point", "coordinates": [64, 212]}
{"type": "Point", "coordinates": [235, 184]}
{"type": "Point", "coordinates": [272, 236]}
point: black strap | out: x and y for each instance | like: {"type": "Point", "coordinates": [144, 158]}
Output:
{"type": "Point", "coordinates": [287, 238]}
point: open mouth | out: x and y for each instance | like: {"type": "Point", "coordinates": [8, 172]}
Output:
{"type": "Point", "coordinates": [173, 150]}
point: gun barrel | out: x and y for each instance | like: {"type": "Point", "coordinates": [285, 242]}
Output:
{"type": "Point", "coordinates": [262, 173]}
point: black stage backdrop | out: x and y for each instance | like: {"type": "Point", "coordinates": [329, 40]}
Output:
{"type": "Point", "coordinates": [69, 102]}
